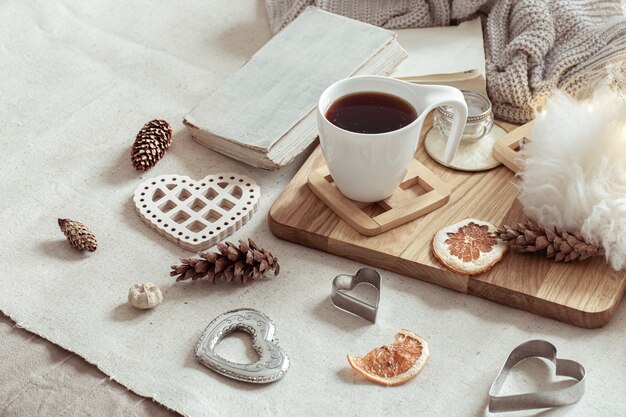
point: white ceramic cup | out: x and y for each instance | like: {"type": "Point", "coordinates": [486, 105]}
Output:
{"type": "Point", "coordinates": [369, 167]}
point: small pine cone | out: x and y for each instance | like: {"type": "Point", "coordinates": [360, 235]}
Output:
{"type": "Point", "coordinates": [150, 144]}
{"type": "Point", "coordinates": [555, 243]}
{"type": "Point", "coordinates": [78, 235]}
{"type": "Point", "coordinates": [523, 237]}
{"type": "Point", "coordinates": [244, 262]}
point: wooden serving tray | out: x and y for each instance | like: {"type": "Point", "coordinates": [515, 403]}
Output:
{"type": "Point", "coordinates": [585, 294]}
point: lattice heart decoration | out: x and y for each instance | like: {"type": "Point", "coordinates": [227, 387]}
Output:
{"type": "Point", "coordinates": [197, 214]}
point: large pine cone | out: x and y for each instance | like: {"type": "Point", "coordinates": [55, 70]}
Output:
{"type": "Point", "coordinates": [244, 262]}
{"type": "Point", "coordinates": [150, 144]}
{"type": "Point", "coordinates": [556, 243]}
{"type": "Point", "coordinates": [78, 235]}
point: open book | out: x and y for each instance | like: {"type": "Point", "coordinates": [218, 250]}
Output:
{"type": "Point", "coordinates": [452, 55]}
{"type": "Point", "coordinates": [264, 113]}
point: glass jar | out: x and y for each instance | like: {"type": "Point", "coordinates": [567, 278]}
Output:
{"type": "Point", "coordinates": [479, 117]}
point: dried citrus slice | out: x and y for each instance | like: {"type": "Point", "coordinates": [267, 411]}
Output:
{"type": "Point", "coordinates": [396, 363]}
{"type": "Point", "coordinates": [469, 247]}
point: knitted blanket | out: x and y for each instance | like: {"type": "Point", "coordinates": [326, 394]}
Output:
{"type": "Point", "coordinates": [532, 47]}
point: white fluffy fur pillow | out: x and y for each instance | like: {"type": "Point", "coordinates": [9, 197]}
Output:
{"type": "Point", "coordinates": [574, 175]}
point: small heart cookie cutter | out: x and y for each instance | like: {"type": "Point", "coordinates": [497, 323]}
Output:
{"type": "Point", "coordinates": [273, 361]}
{"type": "Point", "coordinates": [541, 399]}
{"type": "Point", "coordinates": [347, 302]}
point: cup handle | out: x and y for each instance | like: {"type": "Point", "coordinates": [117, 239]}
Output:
{"type": "Point", "coordinates": [441, 95]}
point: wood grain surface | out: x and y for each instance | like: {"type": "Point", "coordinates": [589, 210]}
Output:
{"type": "Point", "coordinates": [506, 149]}
{"type": "Point", "coordinates": [419, 193]}
{"type": "Point", "coordinates": [585, 294]}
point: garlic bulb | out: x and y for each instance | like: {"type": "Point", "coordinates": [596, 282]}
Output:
{"type": "Point", "coordinates": [144, 296]}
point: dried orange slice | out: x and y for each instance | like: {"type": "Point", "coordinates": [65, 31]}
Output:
{"type": "Point", "coordinates": [469, 247]}
{"type": "Point", "coordinates": [396, 363]}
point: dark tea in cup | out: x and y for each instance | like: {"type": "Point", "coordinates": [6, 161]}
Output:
{"type": "Point", "coordinates": [370, 112]}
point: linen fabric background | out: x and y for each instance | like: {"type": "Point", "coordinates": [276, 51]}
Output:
{"type": "Point", "coordinates": [78, 79]}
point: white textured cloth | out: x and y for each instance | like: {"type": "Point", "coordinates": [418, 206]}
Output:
{"type": "Point", "coordinates": [78, 80]}
{"type": "Point", "coordinates": [38, 378]}
{"type": "Point", "coordinates": [532, 46]}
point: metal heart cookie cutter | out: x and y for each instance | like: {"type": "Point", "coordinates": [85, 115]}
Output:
{"type": "Point", "coordinates": [273, 361]}
{"type": "Point", "coordinates": [541, 399]}
{"type": "Point", "coordinates": [344, 301]}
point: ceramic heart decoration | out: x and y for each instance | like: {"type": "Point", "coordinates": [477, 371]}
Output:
{"type": "Point", "coordinates": [197, 214]}
{"type": "Point", "coordinates": [273, 361]}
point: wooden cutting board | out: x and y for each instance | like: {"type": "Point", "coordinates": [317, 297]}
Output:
{"type": "Point", "coordinates": [585, 294]}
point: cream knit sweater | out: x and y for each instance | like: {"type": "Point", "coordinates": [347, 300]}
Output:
{"type": "Point", "coordinates": [532, 46]}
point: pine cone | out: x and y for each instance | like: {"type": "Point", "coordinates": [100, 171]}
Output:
{"type": "Point", "coordinates": [556, 243]}
{"type": "Point", "coordinates": [246, 262]}
{"type": "Point", "coordinates": [150, 144]}
{"type": "Point", "coordinates": [78, 235]}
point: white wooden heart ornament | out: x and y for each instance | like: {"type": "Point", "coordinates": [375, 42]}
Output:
{"type": "Point", "coordinates": [197, 214]}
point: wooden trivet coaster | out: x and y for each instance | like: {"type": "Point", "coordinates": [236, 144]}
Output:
{"type": "Point", "coordinates": [506, 149]}
{"type": "Point", "coordinates": [197, 214]}
{"type": "Point", "coordinates": [403, 206]}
